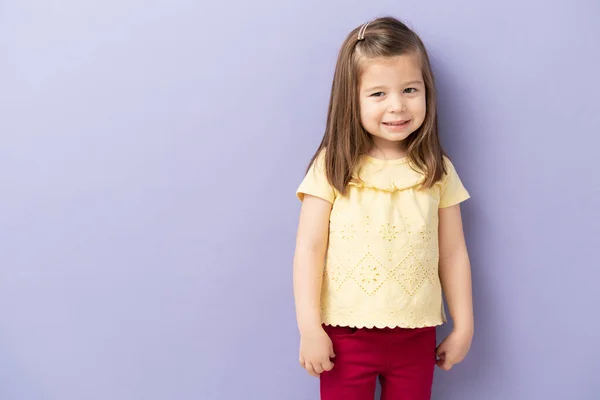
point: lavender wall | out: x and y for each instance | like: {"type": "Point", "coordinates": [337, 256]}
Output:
{"type": "Point", "coordinates": [149, 155]}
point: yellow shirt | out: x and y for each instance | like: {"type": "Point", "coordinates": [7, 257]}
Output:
{"type": "Point", "coordinates": [381, 267]}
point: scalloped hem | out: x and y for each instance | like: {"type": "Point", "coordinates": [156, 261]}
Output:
{"type": "Point", "coordinates": [384, 325]}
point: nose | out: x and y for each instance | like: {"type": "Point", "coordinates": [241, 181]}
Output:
{"type": "Point", "coordinates": [396, 104]}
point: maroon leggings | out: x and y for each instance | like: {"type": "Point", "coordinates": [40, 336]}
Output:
{"type": "Point", "coordinates": [403, 359]}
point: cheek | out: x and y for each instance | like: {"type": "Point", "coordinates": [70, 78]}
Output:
{"type": "Point", "coordinates": [367, 112]}
{"type": "Point", "coordinates": [419, 106]}
{"type": "Point", "coordinates": [362, 110]}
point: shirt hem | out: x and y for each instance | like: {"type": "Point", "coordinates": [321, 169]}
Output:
{"type": "Point", "coordinates": [381, 324]}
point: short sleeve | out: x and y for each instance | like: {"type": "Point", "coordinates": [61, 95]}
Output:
{"type": "Point", "coordinates": [453, 191]}
{"type": "Point", "coordinates": [315, 182]}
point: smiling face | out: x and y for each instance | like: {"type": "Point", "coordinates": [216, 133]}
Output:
{"type": "Point", "coordinates": [392, 98]}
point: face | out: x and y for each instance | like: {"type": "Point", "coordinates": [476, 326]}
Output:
{"type": "Point", "coordinates": [392, 98]}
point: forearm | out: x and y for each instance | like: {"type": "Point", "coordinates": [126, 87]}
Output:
{"type": "Point", "coordinates": [455, 276]}
{"type": "Point", "coordinates": [308, 278]}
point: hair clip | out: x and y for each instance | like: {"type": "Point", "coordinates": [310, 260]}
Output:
{"type": "Point", "coordinates": [361, 32]}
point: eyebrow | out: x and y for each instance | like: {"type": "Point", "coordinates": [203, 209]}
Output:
{"type": "Point", "coordinates": [417, 82]}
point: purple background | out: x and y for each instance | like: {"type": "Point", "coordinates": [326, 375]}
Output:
{"type": "Point", "coordinates": [149, 155]}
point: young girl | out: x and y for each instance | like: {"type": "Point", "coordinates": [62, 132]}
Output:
{"type": "Point", "coordinates": [380, 232]}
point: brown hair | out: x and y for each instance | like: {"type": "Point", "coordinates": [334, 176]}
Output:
{"type": "Point", "coordinates": [345, 140]}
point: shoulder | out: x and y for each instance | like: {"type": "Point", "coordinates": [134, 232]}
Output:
{"type": "Point", "coordinates": [449, 169]}
{"type": "Point", "coordinates": [318, 164]}
{"type": "Point", "coordinates": [320, 158]}
{"type": "Point", "coordinates": [448, 164]}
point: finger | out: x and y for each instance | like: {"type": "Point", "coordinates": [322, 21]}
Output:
{"type": "Point", "coordinates": [305, 364]}
{"type": "Point", "coordinates": [327, 365]}
{"type": "Point", "coordinates": [440, 350]}
{"type": "Point", "coordinates": [311, 370]}
{"type": "Point", "coordinates": [301, 361]}
{"type": "Point", "coordinates": [444, 365]}
{"type": "Point", "coordinates": [331, 352]}
{"type": "Point", "coordinates": [318, 367]}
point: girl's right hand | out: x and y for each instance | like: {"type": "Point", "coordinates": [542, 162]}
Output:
{"type": "Point", "coordinates": [316, 351]}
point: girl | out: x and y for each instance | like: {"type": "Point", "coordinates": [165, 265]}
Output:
{"type": "Point", "coordinates": [380, 231]}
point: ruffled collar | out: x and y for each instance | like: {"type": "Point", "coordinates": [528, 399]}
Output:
{"type": "Point", "coordinates": [386, 175]}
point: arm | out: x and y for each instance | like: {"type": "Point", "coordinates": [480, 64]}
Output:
{"type": "Point", "coordinates": [455, 268]}
{"type": "Point", "coordinates": [455, 276]}
{"type": "Point", "coordinates": [309, 259]}
{"type": "Point", "coordinates": [316, 349]}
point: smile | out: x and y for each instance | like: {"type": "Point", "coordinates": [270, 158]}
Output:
{"type": "Point", "coordinates": [397, 123]}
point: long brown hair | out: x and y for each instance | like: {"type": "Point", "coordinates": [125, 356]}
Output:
{"type": "Point", "coordinates": [345, 140]}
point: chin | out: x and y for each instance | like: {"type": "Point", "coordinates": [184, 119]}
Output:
{"type": "Point", "coordinates": [394, 137]}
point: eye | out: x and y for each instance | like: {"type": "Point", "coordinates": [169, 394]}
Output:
{"type": "Point", "coordinates": [410, 90]}
{"type": "Point", "coordinates": [378, 94]}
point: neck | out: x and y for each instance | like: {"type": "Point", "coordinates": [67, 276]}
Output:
{"type": "Point", "coordinates": [388, 150]}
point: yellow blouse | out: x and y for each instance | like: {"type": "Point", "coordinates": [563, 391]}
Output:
{"type": "Point", "coordinates": [381, 267]}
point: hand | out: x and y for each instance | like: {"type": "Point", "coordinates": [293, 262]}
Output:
{"type": "Point", "coordinates": [316, 350]}
{"type": "Point", "coordinates": [453, 349]}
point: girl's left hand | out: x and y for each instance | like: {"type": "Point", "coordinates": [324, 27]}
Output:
{"type": "Point", "coordinates": [453, 349]}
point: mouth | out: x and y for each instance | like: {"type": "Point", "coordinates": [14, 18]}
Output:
{"type": "Point", "coordinates": [399, 124]}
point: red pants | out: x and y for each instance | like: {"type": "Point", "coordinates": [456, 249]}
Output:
{"type": "Point", "coordinates": [403, 359]}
